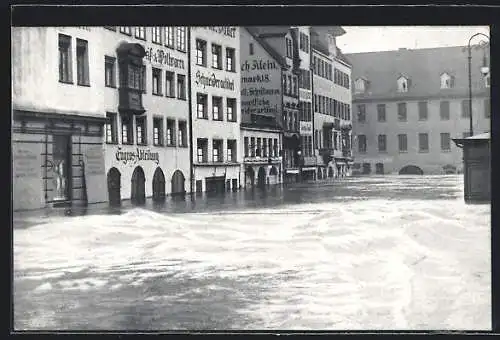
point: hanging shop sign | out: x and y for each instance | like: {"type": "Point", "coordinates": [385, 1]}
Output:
{"type": "Point", "coordinates": [161, 57]}
{"type": "Point", "coordinates": [213, 81]}
{"type": "Point", "coordinates": [305, 128]}
{"type": "Point", "coordinates": [132, 157]}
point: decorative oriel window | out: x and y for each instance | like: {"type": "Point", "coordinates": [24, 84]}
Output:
{"type": "Point", "coordinates": [131, 78]}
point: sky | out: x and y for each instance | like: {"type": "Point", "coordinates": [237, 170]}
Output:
{"type": "Point", "coordinates": [385, 38]}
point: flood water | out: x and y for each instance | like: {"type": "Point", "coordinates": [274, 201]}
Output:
{"type": "Point", "coordinates": [377, 253]}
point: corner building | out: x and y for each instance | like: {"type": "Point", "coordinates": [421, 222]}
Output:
{"type": "Point", "coordinates": [215, 108]}
{"type": "Point", "coordinates": [145, 90]}
{"type": "Point", "coordinates": [57, 117]}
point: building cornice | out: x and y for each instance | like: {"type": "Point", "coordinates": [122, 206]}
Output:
{"type": "Point", "coordinates": [464, 95]}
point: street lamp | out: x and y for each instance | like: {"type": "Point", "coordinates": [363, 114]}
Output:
{"type": "Point", "coordinates": [484, 72]}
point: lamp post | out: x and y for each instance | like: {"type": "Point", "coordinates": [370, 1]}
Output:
{"type": "Point", "coordinates": [484, 71]}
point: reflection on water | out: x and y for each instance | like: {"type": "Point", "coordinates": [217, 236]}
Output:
{"type": "Point", "coordinates": [364, 253]}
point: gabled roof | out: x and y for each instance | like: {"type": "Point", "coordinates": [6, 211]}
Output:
{"type": "Point", "coordinates": [423, 66]}
{"type": "Point", "coordinates": [270, 31]}
{"type": "Point", "coordinates": [269, 49]}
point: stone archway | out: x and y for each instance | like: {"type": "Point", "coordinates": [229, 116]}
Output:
{"type": "Point", "coordinates": [138, 194]}
{"type": "Point", "coordinates": [158, 185]}
{"type": "Point", "coordinates": [178, 181]}
{"type": "Point", "coordinates": [273, 175]}
{"type": "Point", "coordinates": [249, 176]}
{"type": "Point", "coordinates": [261, 177]}
{"type": "Point", "coordinates": [114, 187]}
{"type": "Point", "coordinates": [330, 171]}
{"type": "Point", "coordinates": [411, 170]}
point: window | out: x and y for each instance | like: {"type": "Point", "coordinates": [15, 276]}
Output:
{"type": "Point", "coordinates": [170, 37]}
{"type": "Point", "coordinates": [270, 146]}
{"type": "Point", "coordinates": [82, 62]}
{"type": "Point", "coordinates": [170, 132]}
{"type": "Point", "coordinates": [246, 146]}
{"type": "Point", "coordinates": [381, 112]}
{"type": "Point", "coordinates": [156, 81]}
{"type": "Point", "coordinates": [181, 39]}
{"type": "Point", "coordinates": [289, 49]}
{"type": "Point", "coordinates": [362, 143]}
{"type": "Point", "coordinates": [181, 86]}
{"type": "Point", "coordinates": [216, 108]}
{"type": "Point", "coordinates": [361, 113]}
{"type": "Point", "coordinates": [201, 106]}
{"type": "Point", "coordinates": [382, 143]}
{"type": "Point", "coordinates": [231, 109]}
{"type": "Point", "coordinates": [465, 108]}
{"type": "Point", "coordinates": [305, 79]}
{"type": "Point", "coordinates": [141, 77]}
{"type": "Point", "coordinates": [289, 85]}
{"type": "Point", "coordinates": [402, 143]}
{"type": "Point", "coordinates": [169, 84]}
{"type": "Point", "coordinates": [422, 110]}
{"type": "Point", "coordinates": [445, 142]}
{"type": "Point", "coordinates": [359, 86]}
{"type": "Point", "coordinates": [182, 133]}
{"type": "Point", "coordinates": [158, 131]}
{"type": "Point", "coordinates": [230, 54]}
{"type": "Point", "coordinates": [125, 30]}
{"type": "Point", "coordinates": [402, 112]}
{"type": "Point", "coordinates": [111, 137]}
{"type": "Point", "coordinates": [446, 81]}
{"type": "Point", "coordinates": [202, 150]}
{"type": "Point", "coordinates": [201, 50]}
{"type": "Point", "coordinates": [250, 49]}
{"type": "Point", "coordinates": [444, 110]}
{"type": "Point", "coordinates": [258, 151]}
{"type": "Point", "coordinates": [156, 35]}
{"type": "Point", "coordinates": [304, 42]}
{"type": "Point", "coordinates": [252, 147]}
{"type": "Point", "coordinates": [216, 56]}
{"type": "Point", "coordinates": [231, 150]}
{"type": "Point", "coordinates": [127, 136]}
{"type": "Point", "coordinates": [487, 80]}
{"type": "Point", "coordinates": [275, 147]}
{"type": "Point", "coordinates": [65, 74]}
{"type": "Point", "coordinates": [217, 150]}
{"type": "Point", "coordinates": [423, 142]}
{"type": "Point", "coordinates": [487, 108]}
{"type": "Point", "coordinates": [402, 84]}
{"type": "Point", "coordinates": [109, 71]}
{"type": "Point", "coordinates": [140, 127]}
{"type": "Point", "coordinates": [295, 90]}
{"type": "Point", "coordinates": [264, 147]}
{"type": "Point", "coordinates": [140, 33]}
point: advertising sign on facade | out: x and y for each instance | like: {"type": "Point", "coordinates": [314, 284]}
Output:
{"type": "Point", "coordinates": [26, 161]}
{"type": "Point", "coordinates": [305, 128]}
{"type": "Point", "coordinates": [134, 156]}
{"type": "Point", "coordinates": [305, 95]}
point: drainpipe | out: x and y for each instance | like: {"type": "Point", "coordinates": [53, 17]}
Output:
{"type": "Point", "coordinates": [311, 76]}
{"type": "Point", "coordinates": [190, 112]}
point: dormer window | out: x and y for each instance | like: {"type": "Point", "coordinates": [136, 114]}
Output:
{"type": "Point", "coordinates": [446, 81]}
{"type": "Point", "coordinates": [402, 84]}
{"type": "Point", "coordinates": [360, 85]}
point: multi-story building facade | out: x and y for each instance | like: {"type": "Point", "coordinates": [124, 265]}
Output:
{"type": "Point", "coordinates": [144, 75]}
{"type": "Point", "coordinates": [284, 41]}
{"type": "Point", "coordinates": [216, 108]}
{"type": "Point", "coordinates": [58, 117]}
{"type": "Point", "coordinates": [332, 104]}
{"type": "Point", "coordinates": [409, 104]}
{"type": "Point", "coordinates": [261, 110]}
{"type": "Point", "coordinates": [306, 122]}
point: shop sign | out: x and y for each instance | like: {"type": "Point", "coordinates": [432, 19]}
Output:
{"type": "Point", "coordinates": [159, 56]}
{"type": "Point", "coordinates": [228, 31]}
{"type": "Point", "coordinates": [132, 157]}
{"type": "Point", "coordinates": [305, 94]}
{"type": "Point", "coordinates": [94, 161]}
{"type": "Point", "coordinates": [213, 81]}
{"type": "Point", "coordinates": [305, 128]}
{"type": "Point", "coordinates": [26, 162]}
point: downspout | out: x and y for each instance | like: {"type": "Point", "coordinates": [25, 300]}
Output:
{"type": "Point", "coordinates": [311, 76]}
{"type": "Point", "coordinates": [190, 118]}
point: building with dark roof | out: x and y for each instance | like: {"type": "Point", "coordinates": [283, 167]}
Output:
{"type": "Point", "coordinates": [408, 104]}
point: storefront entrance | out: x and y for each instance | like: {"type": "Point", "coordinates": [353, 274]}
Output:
{"type": "Point", "coordinates": [215, 185]}
{"type": "Point", "coordinates": [61, 167]}
{"type": "Point", "coordinates": [138, 194]}
{"type": "Point", "coordinates": [178, 183]}
{"type": "Point", "coordinates": [261, 177]}
{"type": "Point", "coordinates": [158, 185]}
{"type": "Point", "coordinates": [114, 184]}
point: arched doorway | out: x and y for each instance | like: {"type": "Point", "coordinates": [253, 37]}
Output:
{"type": "Point", "coordinates": [273, 175]}
{"type": "Point", "coordinates": [138, 195]}
{"type": "Point", "coordinates": [249, 177]}
{"type": "Point", "coordinates": [320, 173]}
{"type": "Point", "coordinates": [261, 177]}
{"type": "Point", "coordinates": [367, 168]}
{"type": "Point", "coordinates": [114, 185]}
{"type": "Point", "coordinates": [379, 168]}
{"type": "Point", "coordinates": [178, 180]}
{"type": "Point", "coordinates": [411, 170]}
{"type": "Point", "coordinates": [330, 171]}
{"type": "Point", "coordinates": [158, 185]}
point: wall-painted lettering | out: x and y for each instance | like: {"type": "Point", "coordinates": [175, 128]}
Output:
{"type": "Point", "coordinates": [224, 30]}
{"type": "Point", "coordinates": [259, 64]}
{"type": "Point", "coordinates": [139, 155]}
{"type": "Point", "coordinates": [213, 81]}
{"type": "Point", "coordinates": [159, 56]}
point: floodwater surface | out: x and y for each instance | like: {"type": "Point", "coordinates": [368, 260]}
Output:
{"type": "Point", "coordinates": [377, 253]}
